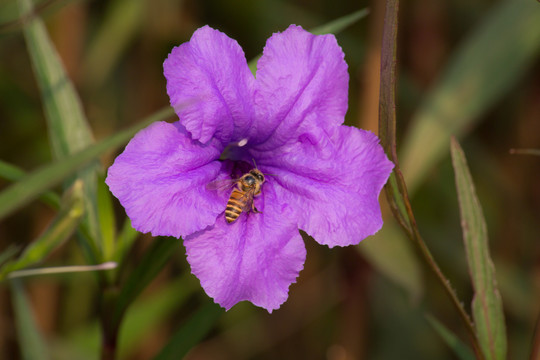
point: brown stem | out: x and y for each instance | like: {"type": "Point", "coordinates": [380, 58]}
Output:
{"type": "Point", "coordinates": [535, 352]}
{"type": "Point", "coordinates": [387, 132]}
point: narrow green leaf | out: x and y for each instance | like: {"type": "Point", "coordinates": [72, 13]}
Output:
{"type": "Point", "coordinates": [461, 350]}
{"type": "Point", "coordinates": [340, 24]}
{"type": "Point", "coordinates": [333, 27]}
{"type": "Point", "coordinates": [151, 311]}
{"type": "Point", "coordinates": [31, 342]}
{"type": "Point", "coordinates": [487, 304]}
{"type": "Point", "coordinates": [125, 240]}
{"type": "Point", "coordinates": [191, 333]}
{"type": "Point", "coordinates": [106, 219]}
{"type": "Point", "coordinates": [62, 227]}
{"type": "Point", "coordinates": [13, 173]}
{"type": "Point", "coordinates": [34, 184]}
{"type": "Point", "coordinates": [68, 128]}
{"type": "Point", "coordinates": [8, 253]}
{"type": "Point", "coordinates": [485, 67]}
{"type": "Point", "coordinates": [147, 269]}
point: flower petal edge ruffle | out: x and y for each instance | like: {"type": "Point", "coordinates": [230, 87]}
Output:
{"type": "Point", "coordinates": [160, 180]}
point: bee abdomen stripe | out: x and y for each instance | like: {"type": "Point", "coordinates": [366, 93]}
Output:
{"type": "Point", "coordinates": [233, 209]}
{"type": "Point", "coordinates": [233, 202]}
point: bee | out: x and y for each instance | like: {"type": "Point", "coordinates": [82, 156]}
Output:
{"type": "Point", "coordinates": [248, 186]}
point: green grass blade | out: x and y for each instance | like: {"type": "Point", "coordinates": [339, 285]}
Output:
{"type": "Point", "coordinates": [458, 347]}
{"type": "Point", "coordinates": [34, 184]}
{"type": "Point", "coordinates": [107, 221]}
{"type": "Point", "coordinates": [340, 24]}
{"type": "Point", "coordinates": [147, 269]}
{"type": "Point", "coordinates": [68, 128]}
{"type": "Point", "coordinates": [125, 240]}
{"type": "Point", "coordinates": [8, 254]}
{"type": "Point", "coordinates": [151, 311]}
{"type": "Point", "coordinates": [13, 173]}
{"type": "Point", "coordinates": [333, 27]}
{"type": "Point", "coordinates": [31, 342]}
{"type": "Point", "coordinates": [62, 227]}
{"type": "Point", "coordinates": [487, 306]}
{"type": "Point", "coordinates": [485, 67]}
{"type": "Point", "coordinates": [191, 333]}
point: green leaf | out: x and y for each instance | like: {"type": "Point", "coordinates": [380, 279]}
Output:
{"type": "Point", "coordinates": [62, 227]}
{"type": "Point", "coordinates": [333, 27]}
{"type": "Point", "coordinates": [151, 311]}
{"type": "Point", "coordinates": [34, 184]}
{"type": "Point", "coordinates": [68, 128]}
{"type": "Point", "coordinates": [191, 333]}
{"type": "Point", "coordinates": [340, 24]}
{"type": "Point", "coordinates": [31, 342]}
{"type": "Point", "coordinates": [485, 67]}
{"type": "Point", "coordinates": [13, 173]}
{"type": "Point", "coordinates": [487, 306]}
{"type": "Point", "coordinates": [125, 240]}
{"type": "Point", "coordinates": [147, 269]}
{"type": "Point", "coordinates": [461, 350]}
{"type": "Point", "coordinates": [106, 219]}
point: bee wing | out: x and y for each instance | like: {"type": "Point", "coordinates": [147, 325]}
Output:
{"type": "Point", "coordinates": [221, 184]}
{"type": "Point", "coordinates": [248, 196]}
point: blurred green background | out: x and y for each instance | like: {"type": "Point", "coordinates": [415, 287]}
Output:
{"type": "Point", "coordinates": [469, 68]}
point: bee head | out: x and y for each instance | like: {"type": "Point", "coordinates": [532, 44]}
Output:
{"type": "Point", "coordinates": [258, 175]}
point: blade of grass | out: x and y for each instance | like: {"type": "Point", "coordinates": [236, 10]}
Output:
{"type": "Point", "coordinates": [106, 219]}
{"type": "Point", "coordinates": [115, 302]}
{"type": "Point", "coordinates": [333, 27]}
{"type": "Point", "coordinates": [61, 228]}
{"type": "Point", "coordinates": [485, 67]}
{"type": "Point", "coordinates": [151, 311]}
{"type": "Point", "coordinates": [191, 333]}
{"type": "Point", "coordinates": [37, 182]}
{"type": "Point", "coordinates": [31, 341]}
{"type": "Point", "coordinates": [13, 173]}
{"type": "Point", "coordinates": [458, 347]}
{"type": "Point", "coordinates": [125, 240]}
{"type": "Point", "coordinates": [147, 269]}
{"type": "Point", "coordinates": [487, 304]}
{"type": "Point", "coordinates": [68, 128]}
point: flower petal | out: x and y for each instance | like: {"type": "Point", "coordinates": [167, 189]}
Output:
{"type": "Point", "coordinates": [210, 86]}
{"type": "Point", "coordinates": [161, 178]}
{"type": "Point", "coordinates": [333, 182]}
{"type": "Point", "coordinates": [302, 81]}
{"type": "Point", "coordinates": [255, 258]}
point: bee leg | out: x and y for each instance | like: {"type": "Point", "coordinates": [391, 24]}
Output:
{"type": "Point", "coordinates": [254, 209]}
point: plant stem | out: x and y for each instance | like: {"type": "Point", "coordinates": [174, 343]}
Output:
{"type": "Point", "coordinates": [109, 327]}
{"type": "Point", "coordinates": [398, 190]}
{"type": "Point", "coordinates": [535, 352]}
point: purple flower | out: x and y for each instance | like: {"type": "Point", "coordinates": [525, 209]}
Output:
{"type": "Point", "coordinates": [324, 177]}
